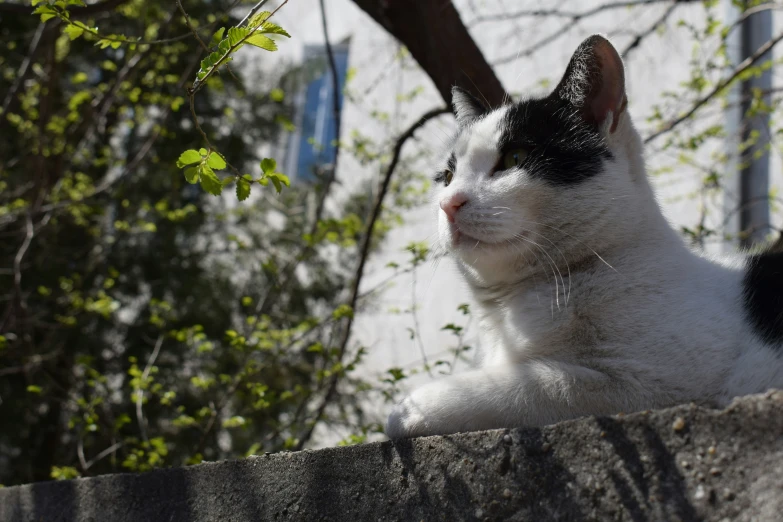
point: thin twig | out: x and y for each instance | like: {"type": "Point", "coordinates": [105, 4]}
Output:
{"type": "Point", "coordinates": [575, 18]}
{"type": "Point", "coordinates": [102, 454]}
{"type": "Point", "coordinates": [574, 15]}
{"type": "Point", "coordinates": [744, 65]}
{"type": "Point", "coordinates": [364, 251]}
{"type": "Point", "coordinates": [289, 270]}
{"type": "Point", "coordinates": [23, 68]}
{"type": "Point", "coordinates": [653, 27]}
{"type": "Point", "coordinates": [140, 391]}
{"type": "Point", "coordinates": [252, 11]}
{"type": "Point", "coordinates": [416, 325]}
{"type": "Point", "coordinates": [190, 26]}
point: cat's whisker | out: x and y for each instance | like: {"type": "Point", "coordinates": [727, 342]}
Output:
{"type": "Point", "coordinates": [565, 259]}
{"type": "Point", "coordinates": [517, 245]}
{"type": "Point", "coordinates": [553, 265]}
{"type": "Point", "coordinates": [575, 239]}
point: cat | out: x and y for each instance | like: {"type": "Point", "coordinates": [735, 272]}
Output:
{"type": "Point", "coordinates": [589, 303]}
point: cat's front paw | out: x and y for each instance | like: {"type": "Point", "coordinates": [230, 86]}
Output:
{"type": "Point", "coordinates": [405, 420]}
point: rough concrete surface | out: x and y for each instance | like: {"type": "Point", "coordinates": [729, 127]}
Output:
{"type": "Point", "coordinates": [684, 463]}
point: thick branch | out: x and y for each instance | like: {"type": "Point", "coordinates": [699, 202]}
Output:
{"type": "Point", "coordinates": [436, 37]}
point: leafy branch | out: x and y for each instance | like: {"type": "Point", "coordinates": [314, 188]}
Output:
{"type": "Point", "coordinates": [74, 28]}
{"type": "Point", "coordinates": [738, 71]}
{"type": "Point", "coordinates": [364, 252]}
{"type": "Point", "coordinates": [200, 165]}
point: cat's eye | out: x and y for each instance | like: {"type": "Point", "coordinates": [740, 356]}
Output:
{"type": "Point", "coordinates": [514, 158]}
{"type": "Point", "coordinates": [447, 177]}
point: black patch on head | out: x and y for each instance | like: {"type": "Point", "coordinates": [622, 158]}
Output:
{"type": "Point", "coordinates": [763, 295]}
{"type": "Point", "coordinates": [563, 148]}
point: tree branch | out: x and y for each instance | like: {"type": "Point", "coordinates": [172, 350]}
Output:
{"type": "Point", "coordinates": [140, 391]}
{"type": "Point", "coordinates": [575, 18]}
{"type": "Point", "coordinates": [746, 64]}
{"type": "Point", "coordinates": [644, 34]}
{"type": "Point", "coordinates": [76, 12]}
{"type": "Point", "coordinates": [438, 40]}
{"type": "Point", "coordinates": [364, 251]}
{"type": "Point", "coordinates": [574, 15]}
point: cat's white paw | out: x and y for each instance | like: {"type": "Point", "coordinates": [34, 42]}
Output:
{"type": "Point", "coordinates": [405, 420]}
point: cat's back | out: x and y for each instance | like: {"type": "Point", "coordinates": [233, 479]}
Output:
{"type": "Point", "coordinates": [763, 296]}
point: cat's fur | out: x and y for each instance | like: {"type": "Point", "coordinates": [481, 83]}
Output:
{"type": "Point", "coordinates": [589, 302]}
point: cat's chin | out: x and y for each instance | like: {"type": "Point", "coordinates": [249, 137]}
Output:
{"type": "Point", "coordinates": [460, 241]}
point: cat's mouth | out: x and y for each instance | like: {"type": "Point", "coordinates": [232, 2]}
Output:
{"type": "Point", "coordinates": [477, 240]}
{"type": "Point", "coordinates": [460, 238]}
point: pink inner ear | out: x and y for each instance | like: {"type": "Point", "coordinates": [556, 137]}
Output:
{"type": "Point", "coordinates": [609, 94]}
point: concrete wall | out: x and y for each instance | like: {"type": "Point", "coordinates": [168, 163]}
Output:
{"type": "Point", "coordinates": [684, 463]}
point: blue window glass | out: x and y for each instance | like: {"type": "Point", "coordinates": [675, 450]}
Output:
{"type": "Point", "coordinates": [312, 145]}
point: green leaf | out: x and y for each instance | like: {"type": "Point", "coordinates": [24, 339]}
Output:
{"type": "Point", "coordinates": [259, 40]}
{"type": "Point", "coordinates": [188, 157]}
{"type": "Point", "coordinates": [73, 32]}
{"type": "Point", "coordinates": [243, 189]}
{"type": "Point", "coordinates": [236, 34]}
{"type": "Point", "coordinates": [276, 183]}
{"type": "Point", "coordinates": [46, 12]}
{"type": "Point", "coordinates": [258, 19]}
{"type": "Point", "coordinates": [209, 180]}
{"type": "Point", "coordinates": [191, 175]}
{"type": "Point", "coordinates": [217, 37]}
{"type": "Point", "coordinates": [277, 95]}
{"type": "Point", "coordinates": [79, 77]}
{"type": "Point", "coordinates": [282, 178]}
{"type": "Point", "coordinates": [216, 161]}
{"type": "Point", "coordinates": [341, 311]}
{"type": "Point", "coordinates": [34, 389]}
{"type": "Point", "coordinates": [271, 28]}
{"type": "Point", "coordinates": [268, 165]}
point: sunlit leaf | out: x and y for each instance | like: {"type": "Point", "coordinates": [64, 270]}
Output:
{"type": "Point", "coordinates": [210, 181]}
{"type": "Point", "coordinates": [259, 40]}
{"type": "Point", "coordinates": [188, 158]}
{"type": "Point", "coordinates": [216, 161]}
{"type": "Point", "coordinates": [243, 189]}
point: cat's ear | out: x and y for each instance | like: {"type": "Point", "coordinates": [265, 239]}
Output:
{"type": "Point", "coordinates": [466, 106]}
{"type": "Point", "coordinates": [594, 82]}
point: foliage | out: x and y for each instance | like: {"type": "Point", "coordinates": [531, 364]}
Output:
{"type": "Point", "coordinates": [144, 322]}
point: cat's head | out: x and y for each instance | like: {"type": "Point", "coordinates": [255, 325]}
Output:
{"type": "Point", "coordinates": [535, 179]}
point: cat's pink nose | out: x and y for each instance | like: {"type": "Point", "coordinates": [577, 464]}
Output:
{"type": "Point", "coordinates": [451, 204]}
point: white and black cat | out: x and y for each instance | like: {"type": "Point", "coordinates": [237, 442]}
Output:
{"type": "Point", "coordinates": [589, 302]}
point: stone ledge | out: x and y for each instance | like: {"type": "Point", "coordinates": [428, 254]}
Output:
{"type": "Point", "coordinates": [683, 463]}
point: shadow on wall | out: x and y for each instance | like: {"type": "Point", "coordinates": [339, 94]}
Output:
{"type": "Point", "coordinates": [597, 468]}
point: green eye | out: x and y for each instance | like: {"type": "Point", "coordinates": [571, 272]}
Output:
{"type": "Point", "coordinates": [514, 158]}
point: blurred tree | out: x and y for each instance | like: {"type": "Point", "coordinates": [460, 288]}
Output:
{"type": "Point", "coordinates": [119, 278]}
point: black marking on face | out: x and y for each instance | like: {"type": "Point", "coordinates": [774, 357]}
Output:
{"type": "Point", "coordinates": [444, 176]}
{"type": "Point", "coordinates": [562, 148]}
{"type": "Point", "coordinates": [763, 293]}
